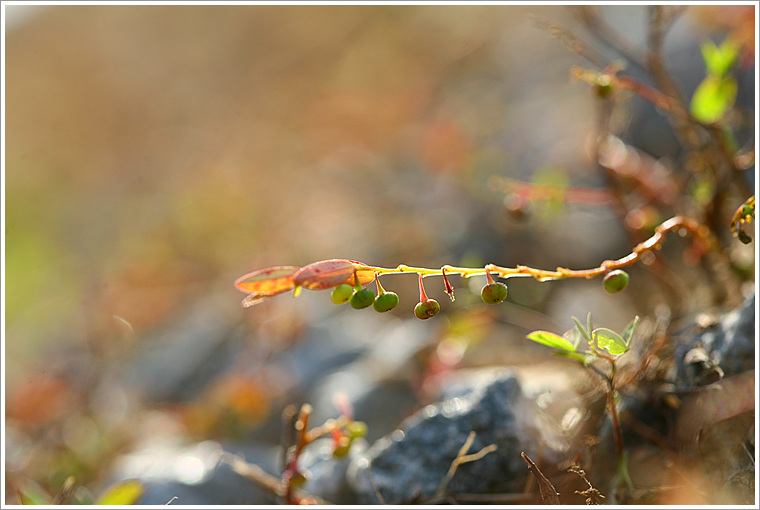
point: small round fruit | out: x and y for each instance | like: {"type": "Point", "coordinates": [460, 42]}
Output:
{"type": "Point", "coordinates": [341, 447]}
{"type": "Point", "coordinates": [386, 301]}
{"type": "Point", "coordinates": [342, 293]}
{"type": "Point", "coordinates": [296, 479]}
{"type": "Point", "coordinates": [356, 429]}
{"type": "Point", "coordinates": [426, 309]}
{"type": "Point", "coordinates": [362, 299]}
{"type": "Point", "coordinates": [494, 293]}
{"type": "Point", "coordinates": [615, 281]}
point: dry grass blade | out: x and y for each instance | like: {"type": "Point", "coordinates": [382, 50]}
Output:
{"type": "Point", "coordinates": [462, 458]}
{"type": "Point", "coordinates": [549, 494]}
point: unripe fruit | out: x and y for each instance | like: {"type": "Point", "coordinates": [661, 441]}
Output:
{"type": "Point", "coordinates": [603, 87]}
{"type": "Point", "coordinates": [615, 281]}
{"type": "Point", "coordinates": [603, 90]}
{"type": "Point", "coordinates": [296, 479]}
{"type": "Point", "coordinates": [342, 293]}
{"type": "Point", "coordinates": [426, 309]}
{"type": "Point", "coordinates": [362, 299]}
{"type": "Point", "coordinates": [494, 293]}
{"type": "Point", "coordinates": [385, 302]}
{"type": "Point", "coordinates": [356, 429]}
{"type": "Point", "coordinates": [341, 447]}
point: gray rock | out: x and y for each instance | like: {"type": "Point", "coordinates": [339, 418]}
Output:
{"type": "Point", "coordinates": [410, 464]}
{"type": "Point", "coordinates": [723, 349]}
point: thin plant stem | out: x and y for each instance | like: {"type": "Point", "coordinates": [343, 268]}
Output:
{"type": "Point", "coordinates": [677, 223]}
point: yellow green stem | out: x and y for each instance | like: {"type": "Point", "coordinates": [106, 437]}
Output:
{"type": "Point", "coordinates": [701, 234]}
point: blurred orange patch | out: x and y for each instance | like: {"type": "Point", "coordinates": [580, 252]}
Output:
{"type": "Point", "coordinates": [232, 405]}
{"type": "Point", "coordinates": [445, 146]}
{"type": "Point", "coordinates": [39, 401]}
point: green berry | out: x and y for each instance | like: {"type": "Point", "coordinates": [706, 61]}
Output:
{"type": "Point", "coordinates": [356, 429]}
{"type": "Point", "coordinates": [342, 293]}
{"type": "Point", "coordinates": [386, 301]}
{"type": "Point", "coordinates": [362, 298]}
{"type": "Point", "coordinates": [341, 447]}
{"type": "Point", "coordinates": [615, 281]}
{"type": "Point", "coordinates": [296, 479]}
{"type": "Point", "coordinates": [603, 90]}
{"type": "Point", "coordinates": [494, 293]}
{"type": "Point", "coordinates": [426, 309]}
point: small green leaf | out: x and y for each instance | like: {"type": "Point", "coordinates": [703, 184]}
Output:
{"type": "Point", "coordinates": [589, 323]}
{"type": "Point", "coordinates": [123, 493]}
{"type": "Point", "coordinates": [718, 60]}
{"type": "Point", "coordinates": [551, 340]}
{"type": "Point", "coordinates": [583, 331]}
{"type": "Point", "coordinates": [573, 355]}
{"type": "Point", "coordinates": [610, 341]}
{"type": "Point", "coordinates": [713, 97]}
{"type": "Point", "coordinates": [629, 329]}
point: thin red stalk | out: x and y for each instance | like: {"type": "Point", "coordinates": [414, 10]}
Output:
{"type": "Point", "coordinates": [423, 296]}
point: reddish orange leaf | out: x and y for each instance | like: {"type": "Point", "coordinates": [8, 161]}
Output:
{"type": "Point", "coordinates": [326, 274]}
{"type": "Point", "coordinates": [267, 282]}
{"type": "Point", "coordinates": [363, 272]}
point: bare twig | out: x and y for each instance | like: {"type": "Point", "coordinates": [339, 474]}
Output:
{"type": "Point", "coordinates": [570, 41]}
{"type": "Point", "coordinates": [660, 20]}
{"type": "Point", "coordinates": [380, 498]}
{"type": "Point", "coordinates": [591, 494]}
{"type": "Point", "coordinates": [586, 196]}
{"type": "Point", "coordinates": [462, 458]}
{"type": "Point", "coordinates": [600, 29]}
{"type": "Point", "coordinates": [549, 494]}
{"type": "Point", "coordinates": [254, 473]}
{"type": "Point", "coordinates": [270, 482]}
{"type": "Point", "coordinates": [287, 434]}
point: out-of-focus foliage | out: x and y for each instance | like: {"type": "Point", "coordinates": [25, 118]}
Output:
{"type": "Point", "coordinates": [717, 92]}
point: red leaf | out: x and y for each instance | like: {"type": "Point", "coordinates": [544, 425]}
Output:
{"type": "Point", "coordinates": [267, 282]}
{"type": "Point", "coordinates": [326, 274]}
{"type": "Point", "coordinates": [363, 272]}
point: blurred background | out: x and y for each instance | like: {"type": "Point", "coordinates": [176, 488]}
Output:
{"type": "Point", "coordinates": [153, 154]}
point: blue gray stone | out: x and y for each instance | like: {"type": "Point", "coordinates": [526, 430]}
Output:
{"type": "Point", "coordinates": [409, 465]}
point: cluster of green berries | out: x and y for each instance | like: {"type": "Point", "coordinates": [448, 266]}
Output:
{"type": "Point", "coordinates": [492, 293]}
{"type": "Point", "coordinates": [360, 297]}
